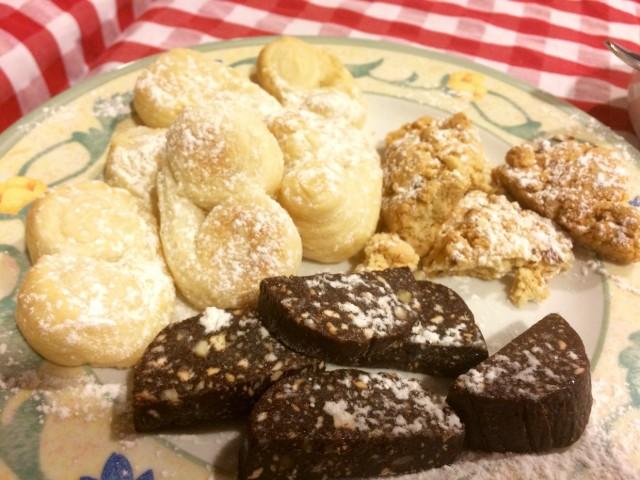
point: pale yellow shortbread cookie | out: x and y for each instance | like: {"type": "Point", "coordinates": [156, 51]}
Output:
{"type": "Point", "coordinates": [219, 258]}
{"type": "Point", "coordinates": [75, 310]}
{"type": "Point", "coordinates": [93, 219]}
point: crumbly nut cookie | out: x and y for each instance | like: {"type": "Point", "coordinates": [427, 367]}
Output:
{"type": "Point", "coordinates": [488, 237]}
{"type": "Point", "coordinates": [580, 186]}
{"type": "Point", "coordinates": [428, 167]}
{"type": "Point", "coordinates": [388, 250]}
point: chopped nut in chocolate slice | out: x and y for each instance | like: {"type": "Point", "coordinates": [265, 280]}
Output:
{"type": "Point", "coordinates": [347, 423]}
{"type": "Point", "coordinates": [444, 341]}
{"type": "Point", "coordinates": [211, 367]}
{"type": "Point", "coordinates": [532, 395]}
{"type": "Point", "coordinates": [342, 318]}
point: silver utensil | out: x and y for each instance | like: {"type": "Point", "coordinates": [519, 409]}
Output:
{"type": "Point", "coordinates": [630, 58]}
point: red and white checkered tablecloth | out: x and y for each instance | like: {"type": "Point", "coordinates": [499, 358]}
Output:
{"type": "Point", "coordinates": [557, 45]}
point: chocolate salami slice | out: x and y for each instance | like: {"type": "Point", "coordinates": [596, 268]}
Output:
{"type": "Point", "coordinates": [444, 341]}
{"type": "Point", "coordinates": [342, 318]}
{"type": "Point", "coordinates": [532, 395]}
{"type": "Point", "coordinates": [347, 423]}
{"type": "Point", "coordinates": [208, 368]}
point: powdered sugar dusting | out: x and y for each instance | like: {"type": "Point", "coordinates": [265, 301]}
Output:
{"type": "Point", "coordinates": [214, 319]}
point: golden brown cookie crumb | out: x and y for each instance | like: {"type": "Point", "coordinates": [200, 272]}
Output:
{"type": "Point", "coordinates": [388, 250]}
{"type": "Point", "coordinates": [580, 186]}
{"type": "Point", "coordinates": [428, 166]}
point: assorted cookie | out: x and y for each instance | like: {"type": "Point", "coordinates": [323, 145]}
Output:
{"type": "Point", "coordinates": [348, 424]}
{"type": "Point", "coordinates": [244, 184]}
{"type": "Point", "coordinates": [133, 160]}
{"type": "Point", "coordinates": [533, 395]}
{"type": "Point", "coordinates": [331, 185]}
{"type": "Point", "coordinates": [218, 151]}
{"type": "Point", "coordinates": [183, 78]}
{"type": "Point", "coordinates": [209, 368]}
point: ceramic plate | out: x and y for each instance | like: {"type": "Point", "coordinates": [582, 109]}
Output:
{"type": "Point", "coordinates": [72, 423]}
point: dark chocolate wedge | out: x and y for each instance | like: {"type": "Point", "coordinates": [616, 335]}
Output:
{"type": "Point", "coordinates": [532, 395]}
{"type": "Point", "coordinates": [444, 341]}
{"type": "Point", "coordinates": [347, 423]}
{"type": "Point", "coordinates": [208, 368]}
{"type": "Point", "coordinates": [342, 318]}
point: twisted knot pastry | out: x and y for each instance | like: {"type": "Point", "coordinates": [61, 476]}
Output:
{"type": "Point", "coordinates": [77, 309]}
{"type": "Point", "coordinates": [182, 78]}
{"type": "Point", "coordinates": [332, 184]}
{"type": "Point", "coordinates": [304, 77]}
{"type": "Point", "coordinates": [99, 291]}
{"type": "Point", "coordinates": [91, 219]}
{"type": "Point", "coordinates": [218, 258]}
{"type": "Point", "coordinates": [219, 151]}
{"type": "Point", "coordinates": [132, 161]}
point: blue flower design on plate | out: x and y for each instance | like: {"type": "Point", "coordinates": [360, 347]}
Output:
{"type": "Point", "coordinates": [118, 467]}
{"type": "Point", "coordinates": [635, 201]}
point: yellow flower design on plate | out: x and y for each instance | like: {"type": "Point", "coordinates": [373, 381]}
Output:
{"type": "Point", "coordinates": [467, 83]}
{"type": "Point", "coordinates": [17, 192]}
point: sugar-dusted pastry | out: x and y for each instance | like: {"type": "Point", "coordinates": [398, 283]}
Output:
{"type": "Point", "coordinates": [289, 65]}
{"type": "Point", "coordinates": [388, 250]}
{"type": "Point", "coordinates": [219, 151]}
{"type": "Point", "coordinates": [91, 218]}
{"type": "Point", "coordinates": [580, 186]}
{"type": "Point", "coordinates": [332, 104]}
{"type": "Point", "coordinates": [77, 309]}
{"type": "Point", "coordinates": [488, 237]}
{"type": "Point", "coordinates": [428, 167]}
{"type": "Point", "coordinates": [533, 395]}
{"type": "Point", "coordinates": [331, 186]}
{"type": "Point", "coordinates": [183, 78]}
{"type": "Point", "coordinates": [209, 368]}
{"type": "Point", "coordinates": [132, 161]}
{"type": "Point", "coordinates": [218, 258]}
{"type": "Point", "coordinates": [348, 424]}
